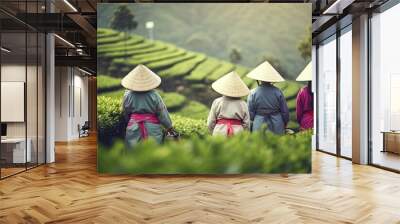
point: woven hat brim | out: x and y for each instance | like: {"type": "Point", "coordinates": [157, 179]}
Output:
{"type": "Point", "coordinates": [266, 79]}
{"type": "Point", "coordinates": [230, 86]}
{"type": "Point", "coordinates": [306, 74]}
{"type": "Point", "coordinates": [141, 79]}
{"type": "Point", "coordinates": [265, 72]}
{"type": "Point", "coordinates": [141, 86]}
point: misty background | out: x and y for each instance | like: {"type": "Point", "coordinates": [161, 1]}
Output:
{"type": "Point", "coordinates": [257, 32]}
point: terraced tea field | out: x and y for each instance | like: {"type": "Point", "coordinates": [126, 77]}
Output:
{"type": "Point", "coordinates": [186, 74]}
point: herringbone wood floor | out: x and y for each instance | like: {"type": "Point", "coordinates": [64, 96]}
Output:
{"type": "Point", "coordinates": [70, 191]}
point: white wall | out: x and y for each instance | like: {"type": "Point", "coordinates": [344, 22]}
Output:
{"type": "Point", "coordinates": [71, 102]}
{"type": "Point", "coordinates": [61, 103]}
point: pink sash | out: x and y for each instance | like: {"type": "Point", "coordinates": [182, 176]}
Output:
{"type": "Point", "coordinates": [229, 123]}
{"type": "Point", "coordinates": [140, 119]}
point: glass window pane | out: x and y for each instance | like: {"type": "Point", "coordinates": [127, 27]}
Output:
{"type": "Point", "coordinates": [32, 87]}
{"type": "Point", "coordinates": [385, 84]}
{"type": "Point", "coordinates": [41, 98]}
{"type": "Point", "coordinates": [31, 98]}
{"type": "Point", "coordinates": [23, 89]}
{"type": "Point", "coordinates": [346, 94]}
{"type": "Point", "coordinates": [13, 87]}
{"type": "Point", "coordinates": [327, 96]}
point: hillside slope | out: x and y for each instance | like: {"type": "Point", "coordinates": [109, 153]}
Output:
{"type": "Point", "coordinates": [257, 30]}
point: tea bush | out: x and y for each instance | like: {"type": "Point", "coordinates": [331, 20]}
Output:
{"type": "Point", "coordinates": [281, 85]}
{"type": "Point", "coordinates": [291, 104]}
{"type": "Point", "coordinates": [121, 46]}
{"type": "Point", "coordinates": [291, 90]}
{"type": "Point", "coordinates": [109, 111]}
{"type": "Point", "coordinates": [241, 70]}
{"type": "Point", "coordinates": [183, 68]}
{"type": "Point", "coordinates": [102, 33]}
{"type": "Point", "coordinates": [105, 82]}
{"type": "Point", "coordinates": [117, 94]}
{"type": "Point", "coordinates": [170, 49]}
{"type": "Point", "coordinates": [156, 47]}
{"type": "Point", "coordinates": [220, 71]}
{"type": "Point", "coordinates": [124, 43]}
{"type": "Point", "coordinates": [156, 56]}
{"type": "Point", "coordinates": [189, 127]}
{"type": "Point", "coordinates": [109, 118]}
{"type": "Point", "coordinates": [203, 70]}
{"type": "Point", "coordinates": [170, 62]}
{"type": "Point", "coordinates": [293, 125]}
{"type": "Point", "coordinates": [173, 100]}
{"type": "Point", "coordinates": [194, 109]}
{"type": "Point", "coordinates": [111, 39]}
{"type": "Point", "coordinates": [258, 152]}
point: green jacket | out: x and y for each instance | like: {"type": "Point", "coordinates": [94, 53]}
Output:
{"type": "Point", "coordinates": [145, 102]}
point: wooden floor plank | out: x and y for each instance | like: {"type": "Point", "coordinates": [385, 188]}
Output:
{"type": "Point", "coordinates": [71, 191]}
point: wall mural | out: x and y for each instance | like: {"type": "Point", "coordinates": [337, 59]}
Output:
{"type": "Point", "coordinates": [203, 88]}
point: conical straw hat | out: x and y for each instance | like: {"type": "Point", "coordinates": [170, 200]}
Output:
{"type": "Point", "coordinates": [231, 85]}
{"type": "Point", "coordinates": [306, 74]}
{"type": "Point", "coordinates": [265, 72]}
{"type": "Point", "coordinates": [141, 79]}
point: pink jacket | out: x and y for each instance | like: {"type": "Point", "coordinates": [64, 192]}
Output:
{"type": "Point", "coordinates": [304, 108]}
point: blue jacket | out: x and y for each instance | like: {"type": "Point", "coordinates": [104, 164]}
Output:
{"type": "Point", "coordinates": [267, 106]}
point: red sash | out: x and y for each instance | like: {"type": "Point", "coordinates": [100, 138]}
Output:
{"type": "Point", "coordinates": [140, 119]}
{"type": "Point", "coordinates": [229, 123]}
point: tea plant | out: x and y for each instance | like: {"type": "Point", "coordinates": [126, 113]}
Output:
{"type": "Point", "coordinates": [257, 152]}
